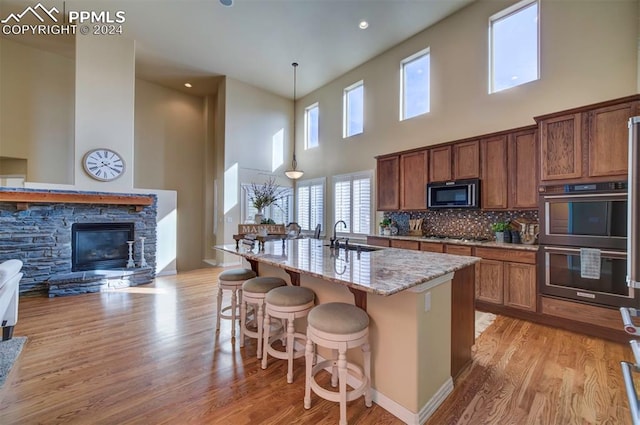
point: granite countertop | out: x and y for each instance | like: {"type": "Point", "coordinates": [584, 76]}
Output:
{"type": "Point", "coordinates": [385, 271]}
{"type": "Point", "coordinates": [468, 242]}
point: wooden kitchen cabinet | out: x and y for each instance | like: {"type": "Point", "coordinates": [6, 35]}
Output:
{"type": "Point", "coordinates": [608, 137]}
{"type": "Point", "coordinates": [376, 241]}
{"type": "Point", "coordinates": [404, 244]}
{"type": "Point", "coordinates": [431, 247]}
{"type": "Point", "coordinates": [520, 287]}
{"type": "Point", "coordinates": [413, 180]}
{"type": "Point", "coordinates": [490, 281]}
{"type": "Point", "coordinates": [458, 249]}
{"type": "Point", "coordinates": [589, 143]}
{"type": "Point", "coordinates": [388, 183]}
{"type": "Point", "coordinates": [466, 160]}
{"type": "Point", "coordinates": [506, 277]}
{"type": "Point", "coordinates": [494, 173]}
{"type": "Point", "coordinates": [522, 160]}
{"type": "Point", "coordinates": [440, 164]}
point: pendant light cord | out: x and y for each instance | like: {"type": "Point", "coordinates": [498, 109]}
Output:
{"type": "Point", "coordinates": [294, 162]}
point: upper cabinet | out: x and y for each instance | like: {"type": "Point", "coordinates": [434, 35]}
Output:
{"type": "Point", "coordinates": [608, 139]}
{"type": "Point", "coordinates": [509, 170]}
{"type": "Point", "coordinates": [588, 143]}
{"type": "Point", "coordinates": [413, 180]}
{"type": "Point", "coordinates": [466, 160]}
{"type": "Point", "coordinates": [440, 164]}
{"type": "Point", "coordinates": [388, 183]}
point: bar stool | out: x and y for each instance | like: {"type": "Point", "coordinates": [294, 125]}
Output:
{"type": "Point", "coordinates": [338, 326]}
{"type": "Point", "coordinates": [288, 303]}
{"type": "Point", "coordinates": [253, 292]}
{"type": "Point", "coordinates": [231, 280]}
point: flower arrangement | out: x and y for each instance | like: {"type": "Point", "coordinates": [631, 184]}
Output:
{"type": "Point", "coordinates": [265, 194]}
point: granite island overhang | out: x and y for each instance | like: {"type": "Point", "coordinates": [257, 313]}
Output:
{"type": "Point", "coordinates": [421, 306]}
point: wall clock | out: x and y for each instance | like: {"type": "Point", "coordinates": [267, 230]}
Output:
{"type": "Point", "coordinates": [103, 164]}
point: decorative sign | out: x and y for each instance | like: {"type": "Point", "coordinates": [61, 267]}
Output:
{"type": "Point", "coordinates": [261, 229]}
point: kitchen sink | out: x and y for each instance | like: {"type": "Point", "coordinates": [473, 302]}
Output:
{"type": "Point", "coordinates": [357, 247]}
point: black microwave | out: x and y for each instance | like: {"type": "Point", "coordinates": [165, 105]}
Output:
{"type": "Point", "coordinates": [454, 194]}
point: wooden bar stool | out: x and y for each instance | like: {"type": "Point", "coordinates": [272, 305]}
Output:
{"type": "Point", "coordinates": [287, 303]}
{"type": "Point", "coordinates": [338, 326]}
{"type": "Point", "coordinates": [253, 292]}
{"type": "Point", "coordinates": [231, 280]}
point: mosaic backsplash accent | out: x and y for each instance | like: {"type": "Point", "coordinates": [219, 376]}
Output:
{"type": "Point", "coordinates": [452, 222]}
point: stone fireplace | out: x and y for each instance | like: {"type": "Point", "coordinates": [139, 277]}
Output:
{"type": "Point", "coordinates": [37, 227]}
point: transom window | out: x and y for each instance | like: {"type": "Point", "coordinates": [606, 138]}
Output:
{"type": "Point", "coordinates": [353, 99]}
{"type": "Point", "coordinates": [311, 126]}
{"type": "Point", "coordinates": [514, 46]}
{"type": "Point", "coordinates": [352, 202]}
{"type": "Point", "coordinates": [414, 85]}
{"type": "Point", "coordinates": [310, 204]}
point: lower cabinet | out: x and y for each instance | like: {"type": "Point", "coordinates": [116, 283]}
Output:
{"type": "Point", "coordinates": [507, 278]}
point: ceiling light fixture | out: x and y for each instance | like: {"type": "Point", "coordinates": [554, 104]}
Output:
{"type": "Point", "coordinates": [363, 25]}
{"type": "Point", "coordinates": [294, 173]}
{"type": "Point", "coordinates": [227, 3]}
{"type": "Point", "coordinates": [188, 85]}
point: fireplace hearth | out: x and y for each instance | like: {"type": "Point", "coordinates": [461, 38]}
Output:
{"type": "Point", "coordinates": [100, 246]}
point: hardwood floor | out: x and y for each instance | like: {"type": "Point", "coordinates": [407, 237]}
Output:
{"type": "Point", "coordinates": [150, 355]}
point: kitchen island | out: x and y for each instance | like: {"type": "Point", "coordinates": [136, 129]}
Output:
{"type": "Point", "coordinates": [421, 306]}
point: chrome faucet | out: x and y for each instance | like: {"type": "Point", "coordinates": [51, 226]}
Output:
{"type": "Point", "coordinates": [334, 239]}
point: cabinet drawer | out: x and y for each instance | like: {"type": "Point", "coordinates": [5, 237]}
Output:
{"type": "Point", "coordinates": [372, 240]}
{"type": "Point", "coordinates": [499, 254]}
{"type": "Point", "coordinates": [431, 247]}
{"type": "Point", "coordinates": [458, 250]}
{"type": "Point", "coordinates": [405, 244]}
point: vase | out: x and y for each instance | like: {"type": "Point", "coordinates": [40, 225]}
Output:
{"type": "Point", "coordinates": [257, 219]}
{"type": "Point", "coordinates": [500, 237]}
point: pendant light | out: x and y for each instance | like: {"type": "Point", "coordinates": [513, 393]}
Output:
{"type": "Point", "coordinates": [293, 173]}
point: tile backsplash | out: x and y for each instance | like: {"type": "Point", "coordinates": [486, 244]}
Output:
{"type": "Point", "coordinates": [452, 222]}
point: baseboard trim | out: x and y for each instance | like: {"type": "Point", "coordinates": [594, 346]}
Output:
{"type": "Point", "coordinates": [167, 273]}
{"type": "Point", "coordinates": [396, 409]}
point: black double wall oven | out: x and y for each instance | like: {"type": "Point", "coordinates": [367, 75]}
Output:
{"type": "Point", "coordinates": [583, 243]}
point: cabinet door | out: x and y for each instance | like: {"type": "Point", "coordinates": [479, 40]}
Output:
{"type": "Point", "coordinates": [520, 286]}
{"type": "Point", "coordinates": [388, 183]}
{"type": "Point", "coordinates": [440, 164]}
{"type": "Point", "coordinates": [608, 139]}
{"type": "Point", "coordinates": [523, 169]}
{"type": "Point", "coordinates": [373, 240]}
{"type": "Point", "coordinates": [413, 180]}
{"type": "Point", "coordinates": [414, 245]}
{"type": "Point", "coordinates": [489, 281]}
{"type": "Point", "coordinates": [466, 160]}
{"type": "Point", "coordinates": [561, 150]}
{"type": "Point", "coordinates": [494, 173]}
{"type": "Point", "coordinates": [458, 250]}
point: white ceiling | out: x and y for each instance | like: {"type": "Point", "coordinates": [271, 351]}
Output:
{"type": "Point", "coordinates": [254, 41]}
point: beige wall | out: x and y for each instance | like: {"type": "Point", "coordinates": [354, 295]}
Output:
{"type": "Point", "coordinates": [37, 111]}
{"type": "Point", "coordinates": [169, 154]}
{"type": "Point", "coordinates": [252, 118]}
{"type": "Point", "coordinates": [588, 54]}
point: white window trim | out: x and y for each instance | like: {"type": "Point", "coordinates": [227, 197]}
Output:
{"type": "Point", "coordinates": [245, 188]}
{"type": "Point", "coordinates": [306, 125]}
{"type": "Point", "coordinates": [345, 104]}
{"type": "Point", "coordinates": [312, 182]}
{"type": "Point", "coordinates": [352, 176]}
{"type": "Point", "coordinates": [403, 62]}
{"type": "Point", "coordinates": [514, 8]}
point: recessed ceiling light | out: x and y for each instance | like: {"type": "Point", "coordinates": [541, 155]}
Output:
{"type": "Point", "coordinates": [514, 77]}
{"type": "Point", "coordinates": [226, 2]}
{"type": "Point", "coordinates": [363, 25]}
{"type": "Point", "coordinates": [188, 85]}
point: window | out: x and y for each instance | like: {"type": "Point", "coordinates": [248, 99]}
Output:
{"type": "Point", "coordinates": [352, 202]}
{"type": "Point", "coordinates": [414, 85]}
{"type": "Point", "coordinates": [353, 110]}
{"type": "Point", "coordinates": [514, 51]}
{"type": "Point", "coordinates": [311, 126]}
{"type": "Point", "coordinates": [310, 199]}
{"type": "Point", "coordinates": [281, 212]}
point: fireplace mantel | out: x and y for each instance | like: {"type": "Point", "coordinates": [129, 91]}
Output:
{"type": "Point", "coordinates": [23, 199]}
